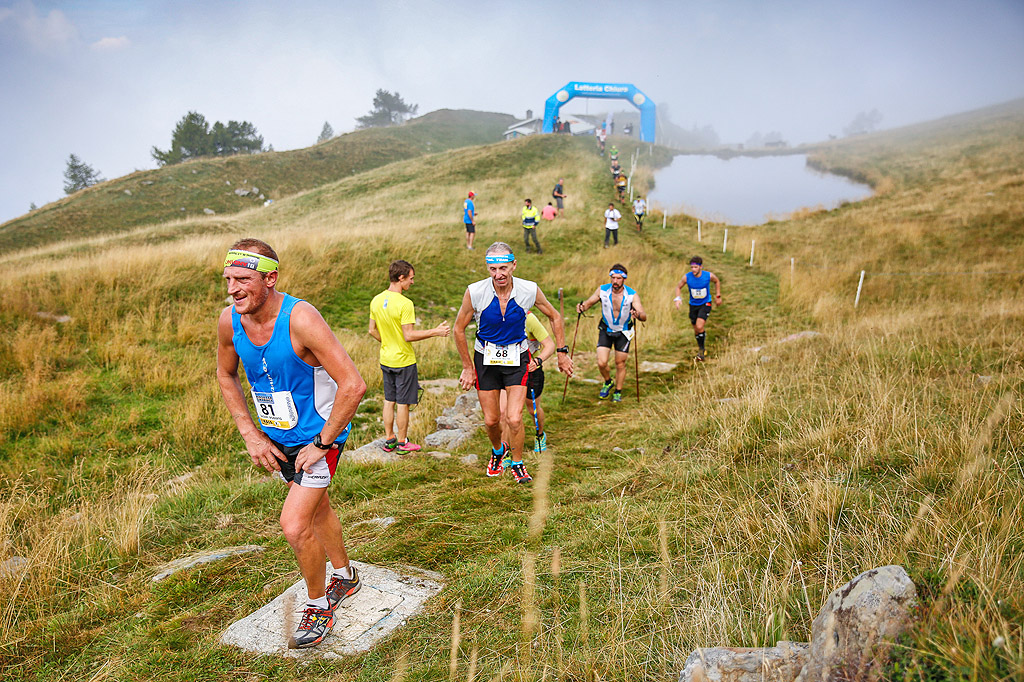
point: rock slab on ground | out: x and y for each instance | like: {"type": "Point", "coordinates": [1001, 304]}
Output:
{"type": "Point", "coordinates": [384, 603]}
{"type": "Point", "coordinates": [206, 557]}
{"type": "Point", "coordinates": [848, 638]}
{"type": "Point", "coordinates": [648, 366]}
{"type": "Point", "coordinates": [780, 663]}
{"type": "Point", "coordinates": [371, 453]}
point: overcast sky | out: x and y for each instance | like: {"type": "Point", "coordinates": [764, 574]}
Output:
{"type": "Point", "coordinates": [108, 79]}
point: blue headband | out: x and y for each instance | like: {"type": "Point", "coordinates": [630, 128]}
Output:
{"type": "Point", "coordinates": [618, 272]}
{"type": "Point", "coordinates": [500, 258]}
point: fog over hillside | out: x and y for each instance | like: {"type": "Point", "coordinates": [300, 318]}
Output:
{"type": "Point", "coordinates": [108, 81]}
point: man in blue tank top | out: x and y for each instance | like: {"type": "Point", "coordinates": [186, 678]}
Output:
{"type": "Point", "coordinates": [698, 282]}
{"type": "Point", "coordinates": [620, 305]}
{"type": "Point", "coordinates": [305, 389]}
{"type": "Point", "coordinates": [501, 357]}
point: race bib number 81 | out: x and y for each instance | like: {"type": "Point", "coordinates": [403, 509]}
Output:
{"type": "Point", "coordinates": [276, 410]}
{"type": "Point", "coordinates": [507, 356]}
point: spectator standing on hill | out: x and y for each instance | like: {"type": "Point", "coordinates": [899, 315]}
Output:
{"type": "Point", "coordinates": [305, 389]}
{"type": "Point", "coordinates": [501, 355]}
{"type": "Point", "coordinates": [611, 224]}
{"type": "Point", "coordinates": [549, 212]}
{"type": "Point", "coordinates": [698, 282]}
{"type": "Point", "coordinates": [531, 216]}
{"type": "Point", "coordinates": [393, 323]}
{"type": "Point", "coordinates": [469, 219]}
{"type": "Point", "coordinates": [558, 194]}
{"type": "Point", "coordinates": [620, 305]}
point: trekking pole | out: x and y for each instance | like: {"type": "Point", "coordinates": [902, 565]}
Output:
{"type": "Point", "coordinates": [571, 353]}
{"type": "Point", "coordinates": [636, 358]}
{"type": "Point", "coordinates": [536, 422]}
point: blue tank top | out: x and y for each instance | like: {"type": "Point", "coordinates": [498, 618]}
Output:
{"type": "Point", "coordinates": [292, 399]}
{"type": "Point", "coordinates": [492, 326]}
{"type": "Point", "coordinates": [700, 287]}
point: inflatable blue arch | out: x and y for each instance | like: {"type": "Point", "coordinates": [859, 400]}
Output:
{"type": "Point", "coordinates": [626, 91]}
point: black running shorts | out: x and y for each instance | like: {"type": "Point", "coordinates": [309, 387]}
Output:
{"type": "Point", "coordinates": [616, 340]}
{"type": "Point", "coordinates": [535, 383]}
{"type": "Point", "coordinates": [470, 227]}
{"type": "Point", "coordinates": [497, 377]}
{"type": "Point", "coordinates": [702, 311]}
{"type": "Point", "coordinates": [401, 384]}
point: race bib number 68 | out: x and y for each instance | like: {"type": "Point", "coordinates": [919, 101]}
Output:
{"type": "Point", "coordinates": [507, 356]}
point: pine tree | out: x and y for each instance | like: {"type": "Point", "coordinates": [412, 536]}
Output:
{"type": "Point", "coordinates": [325, 134]}
{"type": "Point", "coordinates": [193, 137]}
{"type": "Point", "coordinates": [79, 175]}
{"type": "Point", "coordinates": [388, 109]}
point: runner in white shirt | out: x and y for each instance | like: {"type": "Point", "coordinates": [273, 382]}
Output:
{"type": "Point", "coordinates": [639, 211]}
{"type": "Point", "coordinates": [611, 224]}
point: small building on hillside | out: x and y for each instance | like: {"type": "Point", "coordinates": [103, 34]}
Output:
{"type": "Point", "coordinates": [530, 126]}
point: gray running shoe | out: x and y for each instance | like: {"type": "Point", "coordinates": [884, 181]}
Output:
{"type": "Point", "coordinates": [313, 627]}
{"type": "Point", "coordinates": [341, 589]}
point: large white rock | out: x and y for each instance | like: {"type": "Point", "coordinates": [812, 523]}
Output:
{"type": "Point", "coordinates": [852, 633]}
{"type": "Point", "coordinates": [385, 602]}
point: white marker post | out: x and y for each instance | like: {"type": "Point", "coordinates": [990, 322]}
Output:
{"type": "Point", "coordinates": [792, 269]}
{"type": "Point", "coordinates": [725, 242]}
{"type": "Point", "coordinates": [859, 285]}
{"type": "Point", "coordinates": [752, 242]}
{"type": "Point", "coordinates": [664, 220]}
{"type": "Point", "coordinates": [698, 230]}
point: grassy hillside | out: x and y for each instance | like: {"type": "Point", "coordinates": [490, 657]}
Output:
{"type": "Point", "coordinates": [182, 191]}
{"type": "Point", "coordinates": [745, 489]}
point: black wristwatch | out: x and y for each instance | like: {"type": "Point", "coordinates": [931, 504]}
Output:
{"type": "Point", "coordinates": [318, 442]}
{"type": "Point", "coordinates": [540, 360]}
{"type": "Point", "coordinates": [563, 349]}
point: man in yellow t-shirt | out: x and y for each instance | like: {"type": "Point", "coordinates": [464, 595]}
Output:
{"type": "Point", "coordinates": [392, 322]}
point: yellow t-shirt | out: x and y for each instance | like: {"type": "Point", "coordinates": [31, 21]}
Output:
{"type": "Point", "coordinates": [390, 310]}
{"type": "Point", "coordinates": [535, 332]}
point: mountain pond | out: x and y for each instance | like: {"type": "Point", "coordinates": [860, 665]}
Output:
{"type": "Point", "coordinates": [748, 190]}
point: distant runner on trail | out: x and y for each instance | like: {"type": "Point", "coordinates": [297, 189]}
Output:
{"type": "Point", "coordinates": [501, 355]}
{"type": "Point", "coordinates": [620, 186]}
{"type": "Point", "coordinates": [614, 153]}
{"type": "Point", "coordinates": [393, 323]}
{"type": "Point", "coordinates": [305, 389]}
{"type": "Point", "coordinates": [639, 211]}
{"type": "Point", "coordinates": [699, 284]}
{"type": "Point", "coordinates": [469, 219]}
{"type": "Point", "coordinates": [611, 224]}
{"type": "Point", "coordinates": [542, 347]}
{"type": "Point", "coordinates": [620, 305]}
{"type": "Point", "coordinates": [558, 194]}
{"type": "Point", "coordinates": [531, 216]}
